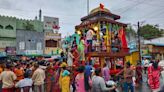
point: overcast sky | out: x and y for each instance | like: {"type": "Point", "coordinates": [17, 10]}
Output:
{"type": "Point", "coordinates": [69, 12]}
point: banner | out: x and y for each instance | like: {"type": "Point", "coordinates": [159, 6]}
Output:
{"type": "Point", "coordinates": [11, 50]}
{"type": "Point", "coordinates": [123, 38]}
{"type": "Point", "coordinates": [51, 23]}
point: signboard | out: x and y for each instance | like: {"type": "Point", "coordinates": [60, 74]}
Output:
{"type": "Point", "coordinates": [51, 23]}
{"type": "Point", "coordinates": [33, 52]}
{"type": "Point", "coordinates": [11, 50]}
{"type": "Point", "coordinates": [2, 52]}
{"type": "Point", "coordinates": [50, 35]}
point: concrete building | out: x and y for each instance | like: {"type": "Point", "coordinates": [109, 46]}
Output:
{"type": "Point", "coordinates": [9, 26]}
{"type": "Point", "coordinates": [29, 35]}
{"type": "Point", "coordinates": [52, 42]}
{"type": "Point", "coordinates": [7, 31]}
{"type": "Point", "coordinates": [29, 42]}
{"type": "Point", "coordinates": [154, 48]}
{"type": "Point", "coordinates": [52, 37]}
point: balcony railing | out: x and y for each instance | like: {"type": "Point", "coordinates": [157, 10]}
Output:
{"type": "Point", "coordinates": [108, 50]}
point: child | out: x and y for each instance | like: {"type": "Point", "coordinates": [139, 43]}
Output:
{"type": "Point", "coordinates": [25, 84]}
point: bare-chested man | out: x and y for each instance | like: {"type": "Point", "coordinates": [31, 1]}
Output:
{"type": "Point", "coordinates": [128, 82]}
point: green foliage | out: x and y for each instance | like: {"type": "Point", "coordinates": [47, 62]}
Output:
{"type": "Point", "coordinates": [150, 32]}
{"type": "Point", "coordinates": [130, 31]}
{"type": "Point", "coordinates": [29, 26]}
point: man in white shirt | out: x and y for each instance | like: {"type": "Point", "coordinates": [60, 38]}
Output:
{"type": "Point", "coordinates": [38, 78]}
{"type": "Point", "coordinates": [161, 64]}
{"type": "Point", "coordinates": [8, 77]}
{"type": "Point", "coordinates": [25, 83]}
{"type": "Point", "coordinates": [108, 62]}
{"type": "Point", "coordinates": [98, 83]}
{"type": "Point", "coordinates": [146, 64]}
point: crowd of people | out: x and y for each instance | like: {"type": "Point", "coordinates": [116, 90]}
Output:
{"type": "Point", "coordinates": [59, 75]}
{"type": "Point", "coordinates": [73, 72]}
{"type": "Point", "coordinates": [52, 76]}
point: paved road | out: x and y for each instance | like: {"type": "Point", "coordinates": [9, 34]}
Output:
{"type": "Point", "coordinates": [144, 87]}
{"type": "Point", "coordinates": [141, 88]}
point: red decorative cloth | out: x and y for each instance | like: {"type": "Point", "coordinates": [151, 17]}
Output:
{"type": "Point", "coordinates": [123, 37]}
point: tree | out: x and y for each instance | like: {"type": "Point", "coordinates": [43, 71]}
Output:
{"type": "Point", "coordinates": [149, 32]}
{"type": "Point", "coordinates": [130, 32]}
{"type": "Point", "coordinates": [29, 26]}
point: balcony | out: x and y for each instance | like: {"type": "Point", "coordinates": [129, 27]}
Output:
{"type": "Point", "coordinates": [108, 51]}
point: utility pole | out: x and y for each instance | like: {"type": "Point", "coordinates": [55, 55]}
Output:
{"type": "Point", "coordinates": [88, 7]}
{"type": "Point", "coordinates": [139, 42]}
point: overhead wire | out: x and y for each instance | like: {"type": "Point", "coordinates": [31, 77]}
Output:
{"type": "Point", "coordinates": [133, 6]}
{"type": "Point", "coordinates": [145, 16]}
{"type": "Point", "coordinates": [152, 5]}
{"type": "Point", "coordinates": [66, 15]}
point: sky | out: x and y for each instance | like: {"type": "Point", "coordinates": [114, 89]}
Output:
{"type": "Point", "coordinates": [69, 12]}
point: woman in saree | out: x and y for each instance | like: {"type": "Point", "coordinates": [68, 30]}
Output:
{"type": "Point", "coordinates": [50, 78]}
{"type": "Point", "coordinates": [81, 49]}
{"type": "Point", "coordinates": [57, 76]}
{"type": "Point", "coordinates": [154, 77]}
{"type": "Point", "coordinates": [65, 81]}
{"type": "Point", "coordinates": [76, 56]}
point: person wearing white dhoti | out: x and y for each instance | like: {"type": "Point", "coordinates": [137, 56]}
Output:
{"type": "Point", "coordinates": [70, 58]}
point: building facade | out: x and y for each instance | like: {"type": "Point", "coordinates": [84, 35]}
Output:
{"type": "Point", "coordinates": [7, 32]}
{"type": "Point", "coordinates": [29, 42]}
{"type": "Point", "coordinates": [52, 43]}
{"type": "Point", "coordinates": [153, 48]}
{"type": "Point", "coordinates": [156, 51]}
{"type": "Point", "coordinates": [29, 36]}
{"type": "Point", "coordinates": [52, 37]}
{"type": "Point", "coordinates": [9, 26]}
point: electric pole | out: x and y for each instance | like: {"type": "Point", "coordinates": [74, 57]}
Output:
{"type": "Point", "coordinates": [139, 42]}
{"type": "Point", "coordinates": [88, 7]}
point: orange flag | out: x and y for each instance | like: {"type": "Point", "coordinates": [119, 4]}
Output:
{"type": "Point", "coordinates": [101, 6]}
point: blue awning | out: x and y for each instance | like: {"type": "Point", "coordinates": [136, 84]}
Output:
{"type": "Point", "coordinates": [157, 44]}
{"type": "Point", "coordinates": [147, 56]}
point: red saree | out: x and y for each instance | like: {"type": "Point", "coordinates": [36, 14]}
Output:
{"type": "Point", "coordinates": [154, 77]}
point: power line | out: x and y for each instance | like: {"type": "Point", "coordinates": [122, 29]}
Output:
{"type": "Point", "coordinates": [161, 12]}
{"type": "Point", "coordinates": [146, 14]}
{"type": "Point", "coordinates": [135, 5]}
{"type": "Point", "coordinates": [152, 5]}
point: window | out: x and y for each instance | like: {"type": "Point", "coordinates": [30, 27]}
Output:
{"type": "Point", "coordinates": [21, 45]}
{"type": "Point", "coordinates": [1, 27]}
{"type": "Point", "coordinates": [9, 27]}
{"type": "Point", "coordinates": [39, 46]}
{"type": "Point", "coordinates": [51, 43]}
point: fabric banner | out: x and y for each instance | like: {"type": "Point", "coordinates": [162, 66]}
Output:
{"type": "Point", "coordinates": [122, 37]}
